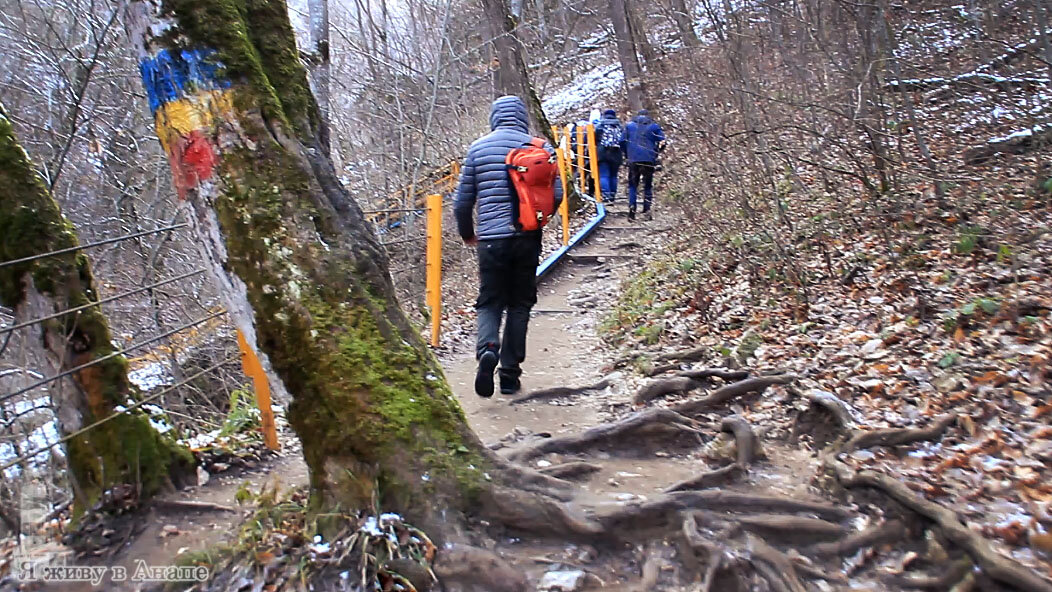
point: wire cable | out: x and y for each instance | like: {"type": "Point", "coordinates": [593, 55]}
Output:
{"type": "Point", "coordinates": [98, 302]}
{"type": "Point", "coordinates": [110, 356]}
{"type": "Point", "coordinates": [96, 424]}
{"type": "Point", "coordinates": [90, 245]}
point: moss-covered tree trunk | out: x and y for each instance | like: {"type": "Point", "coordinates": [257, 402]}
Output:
{"type": "Point", "coordinates": [301, 271]}
{"type": "Point", "coordinates": [125, 449]}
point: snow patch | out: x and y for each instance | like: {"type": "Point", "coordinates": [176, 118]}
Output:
{"type": "Point", "coordinates": [587, 89]}
{"type": "Point", "coordinates": [150, 376]}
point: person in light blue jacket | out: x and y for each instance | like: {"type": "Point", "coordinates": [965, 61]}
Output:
{"type": "Point", "coordinates": [508, 256]}
{"type": "Point", "coordinates": [643, 141]}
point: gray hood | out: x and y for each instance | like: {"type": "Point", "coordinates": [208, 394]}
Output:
{"type": "Point", "coordinates": [509, 111]}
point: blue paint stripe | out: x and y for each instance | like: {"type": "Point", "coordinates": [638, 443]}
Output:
{"type": "Point", "coordinates": [549, 263]}
{"type": "Point", "coordinates": [172, 75]}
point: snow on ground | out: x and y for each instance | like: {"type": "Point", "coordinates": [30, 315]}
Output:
{"type": "Point", "coordinates": [586, 90]}
{"type": "Point", "coordinates": [150, 376]}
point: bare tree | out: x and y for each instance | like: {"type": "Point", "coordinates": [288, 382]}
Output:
{"type": "Point", "coordinates": [511, 76]}
{"type": "Point", "coordinates": [125, 448]}
{"type": "Point", "coordinates": [626, 53]}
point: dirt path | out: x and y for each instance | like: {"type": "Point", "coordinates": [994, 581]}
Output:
{"type": "Point", "coordinates": [564, 349]}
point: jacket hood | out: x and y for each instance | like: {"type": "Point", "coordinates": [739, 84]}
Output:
{"type": "Point", "coordinates": [609, 114]}
{"type": "Point", "coordinates": [509, 111]}
{"type": "Point", "coordinates": [643, 118]}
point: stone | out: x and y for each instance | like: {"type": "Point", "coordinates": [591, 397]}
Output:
{"type": "Point", "coordinates": [563, 581]}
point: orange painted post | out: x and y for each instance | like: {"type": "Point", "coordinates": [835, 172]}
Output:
{"type": "Point", "coordinates": [595, 162]}
{"type": "Point", "coordinates": [433, 293]}
{"type": "Point", "coordinates": [254, 369]}
{"type": "Point", "coordinates": [580, 156]}
{"type": "Point", "coordinates": [564, 207]}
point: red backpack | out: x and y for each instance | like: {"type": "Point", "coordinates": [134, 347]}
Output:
{"type": "Point", "coordinates": [533, 171]}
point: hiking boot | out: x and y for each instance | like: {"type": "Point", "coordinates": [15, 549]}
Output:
{"type": "Point", "coordinates": [648, 215]}
{"type": "Point", "coordinates": [631, 215]}
{"type": "Point", "coordinates": [509, 385]}
{"type": "Point", "coordinates": [484, 375]}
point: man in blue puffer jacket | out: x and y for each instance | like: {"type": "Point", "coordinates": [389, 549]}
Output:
{"type": "Point", "coordinates": [643, 140]}
{"type": "Point", "coordinates": [508, 257]}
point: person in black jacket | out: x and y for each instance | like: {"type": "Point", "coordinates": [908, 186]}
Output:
{"type": "Point", "coordinates": [508, 256]}
{"type": "Point", "coordinates": [608, 135]}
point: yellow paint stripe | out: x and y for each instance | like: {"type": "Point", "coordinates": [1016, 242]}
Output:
{"type": "Point", "coordinates": [198, 112]}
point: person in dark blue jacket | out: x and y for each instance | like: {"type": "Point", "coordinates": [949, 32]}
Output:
{"type": "Point", "coordinates": [643, 140]}
{"type": "Point", "coordinates": [608, 137]}
{"type": "Point", "coordinates": [508, 256]}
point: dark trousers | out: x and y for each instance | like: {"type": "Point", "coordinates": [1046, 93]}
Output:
{"type": "Point", "coordinates": [507, 282]}
{"type": "Point", "coordinates": [635, 171]}
{"type": "Point", "coordinates": [608, 178]}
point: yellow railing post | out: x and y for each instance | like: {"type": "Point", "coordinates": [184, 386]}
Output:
{"type": "Point", "coordinates": [254, 369]}
{"type": "Point", "coordinates": [580, 156]}
{"type": "Point", "coordinates": [564, 207]}
{"type": "Point", "coordinates": [595, 162]}
{"type": "Point", "coordinates": [433, 294]}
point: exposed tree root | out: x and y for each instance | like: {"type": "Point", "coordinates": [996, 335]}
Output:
{"type": "Point", "coordinates": [949, 577]}
{"type": "Point", "coordinates": [744, 439]}
{"type": "Point", "coordinates": [669, 360]}
{"type": "Point", "coordinates": [533, 481]}
{"type": "Point", "coordinates": [560, 392]}
{"type": "Point", "coordinates": [665, 386]}
{"type": "Point", "coordinates": [691, 355]}
{"type": "Point", "coordinates": [890, 531]}
{"type": "Point", "coordinates": [732, 391]}
{"type": "Point", "coordinates": [571, 471]}
{"type": "Point", "coordinates": [651, 370]}
{"type": "Point", "coordinates": [844, 414]}
{"type": "Point", "coordinates": [536, 513]}
{"type": "Point", "coordinates": [469, 569]}
{"type": "Point", "coordinates": [745, 448]}
{"type": "Point", "coordinates": [685, 381]}
{"type": "Point", "coordinates": [648, 421]}
{"type": "Point", "coordinates": [713, 499]}
{"type": "Point", "coordinates": [713, 478]}
{"type": "Point", "coordinates": [787, 525]}
{"type": "Point", "coordinates": [721, 373]}
{"type": "Point", "coordinates": [897, 436]}
{"type": "Point", "coordinates": [778, 569]}
{"type": "Point", "coordinates": [993, 564]}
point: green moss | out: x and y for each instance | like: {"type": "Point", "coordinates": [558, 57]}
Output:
{"type": "Point", "coordinates": [125, 449]}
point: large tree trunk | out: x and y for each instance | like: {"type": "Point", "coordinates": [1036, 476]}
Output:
{"type": "Point", "coordinates": [637, 29]}
{"type": "Point", "coordinates": [301, 271]}
{"type": "Point", "coordinates": [684, 19]}
{"type": "Point", "coordinates": [626, 52]}
{"type": "Point", "coordinates": [125, 449]}
{"type": "Point", "coordinates": [512, 77]}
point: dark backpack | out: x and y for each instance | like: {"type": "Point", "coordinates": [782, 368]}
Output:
{"type": "Point", "coordinates": [533, 172]}
{"type": "Point", "coordinates": [610, 135]}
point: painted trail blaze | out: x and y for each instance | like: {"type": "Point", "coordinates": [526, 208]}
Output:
{"type": "Point", "coordinates": [186, 92]}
